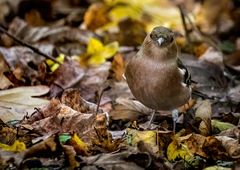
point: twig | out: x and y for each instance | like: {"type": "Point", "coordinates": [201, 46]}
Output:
{"type": "Point", "coordinates": [184, 23]}
{"type": "Point", "coordinates": [27, 45]}
{"type": "Point", "coordinates": [208, 38]}
{"type": "Point", "coordinates": [100, 97]}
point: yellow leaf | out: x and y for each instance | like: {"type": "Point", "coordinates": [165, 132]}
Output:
{"type": "Point", "coordinates": [176, 150]}
{"type": "Point", "coordinates": [94, 46]}
{"type": "Point", "coordinates": [158, 13]}
{"type": "Point", "coordinates": [109, 50]}
{"type": "Point", "coordinates": [96, 59]}
{"type": "Point", "coordinates": [54, 66]}
{"type": "Point", "coordinates": [79, 146]}
{"type": "Point", "coordinates": [148, 137]}
{"type": "Point", "coordinates": [16, 147]}
{"type": "Point", "coordinates": [97, 53]}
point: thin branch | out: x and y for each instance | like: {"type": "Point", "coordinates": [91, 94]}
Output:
{"type": "Point", "coordinates": [208, 38]}
{"type": "Point", "coordinates": [184, 23]}
{"type": "Point", "coordinates": [100, 97]}
{"type": "Point", "coordinates": [27, 45]}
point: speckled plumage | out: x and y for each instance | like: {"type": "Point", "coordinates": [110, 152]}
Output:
{"type": "Point", "coordinates": [153, 74]}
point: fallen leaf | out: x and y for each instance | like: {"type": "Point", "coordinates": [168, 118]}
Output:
{"type": "Point", "coordinates": [15, 103]}
{"type": "Point", "coordinates": [96, 16]}
{"type": "Point", "coordinates": [70, 154]}
{"type": "Point", "coordinates": [213, 56]}
{"type": "Point", "coordinates": [178, 150]}
{"type": "Point", "coordinates": [219, 126]}
{"type": "Point", "coordinates": [217, 168]}
{"type": "Point", "coordinates": [231, 145]}
{"type": "Point", "coordinates": [97, 53]}
{"type": "Point", "coordinates": [148, 137]}
{"type": "Point", "coordinates": [234, 94]}
{"type": "Point", "coordinates": [214, 149]}
{"type": "Point", "coordinates": [79, 146]}
{"type": "Point", "coordinates": [128, 110]}
{"type": "Point", "coordinates": [17, 146]}
{"type": "Point", "coordinates": [195, 144]}
{"type": "Point", "coordinates": [54, 66]}
{"type": "Point", "coordinates": [233, 60]}
{"type": "Point", "coordinates": [204, 112]}
{"type": "Point", "coordinates": [130, 159]}
{"type": "Point", "coordinates": [68, 74]}
{"type": "Point", "coordinates": [117, 67]}
{"type": "Point", "coordinates": [72, 98]}
{"type": "Point", "coordinates": [5, 82]}
{"type": "Point", "coordinates": [7, 135]}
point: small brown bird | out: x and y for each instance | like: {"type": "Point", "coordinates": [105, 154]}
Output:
{"type": "Point", "coordinates": [156, 76]}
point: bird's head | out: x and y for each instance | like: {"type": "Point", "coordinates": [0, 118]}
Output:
{"type": "Point", "coordinates": [162, 36]}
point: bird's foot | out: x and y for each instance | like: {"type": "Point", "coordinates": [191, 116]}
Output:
{"type": "Point", "coordinates": [151, 119]}
{"type": "Point", "coordinates": [175, 118]}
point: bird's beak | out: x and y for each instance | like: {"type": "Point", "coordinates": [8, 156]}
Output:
{"type": "Point", "coordinates": [160, 41]}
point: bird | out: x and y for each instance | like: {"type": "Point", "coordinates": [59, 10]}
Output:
{"type": "Point", "coordinates": [156, 76]}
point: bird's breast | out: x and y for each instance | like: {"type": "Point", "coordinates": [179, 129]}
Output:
{"type": "Point", "coordinates": [156, 85]}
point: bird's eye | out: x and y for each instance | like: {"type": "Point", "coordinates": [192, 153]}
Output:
{"type": "Point", "coordinates": [171, 39]}
{"type": "Point", "coordinates": [153, 36]}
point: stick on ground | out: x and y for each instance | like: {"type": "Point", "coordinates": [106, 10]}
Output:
{"type": "Point", "coordinates": [34, 49]}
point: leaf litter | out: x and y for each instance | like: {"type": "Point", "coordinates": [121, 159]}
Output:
{"type": "Point", "coordinates": [79, 112]}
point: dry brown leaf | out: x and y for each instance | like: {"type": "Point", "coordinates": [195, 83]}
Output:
{"type": "Point", "coordinates": [47, 146]}
{"type": "Point", "coordinates": [72, 98]}
{"type": "Point", "coordinates": [134, 34]}
{"type": "Point", "coordinates": [93, 81]}
{"type": "Point", "coordinates": [232, 133]}
{"type": "Point", "coordinates": [5, 82]}
{"type": "Point", "coordinates": [195, 144]}
{"type": "Point", "coordinates": [118, 67]}
{"type": "Point", "coordinates": [70, 156]}
{"type": "Point", "coordinates": [33, 17]}
{"type": "Point", "coordinates": [15, 103]}
{"type": "Point", "coordinates": [233, 60]}
{"type": "Point", "coordinates": [96, 16]}
{"type": "Point", "coordinates": [68, 74]}
{"type": "Point", "coordinates": [7, 135]}
{"type": "Point", "coordinates": [211, 15]}
{"type": "Point", "coordinates": [213, 56]}
{"type": "Point", "coordinates": [214, 149]}
{"type": "Point", "coordinates": [231, 145]}
{"type": "Point", "coordinates": [104, 141]}
{"type": "Point", "coordinates": [128, 110]}
{"type": "Point", "coordinates": [204, 112]}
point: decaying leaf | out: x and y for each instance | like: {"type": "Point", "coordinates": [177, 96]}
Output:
{"type": "Point", "coordinates": [96, 16]}
{"type": "Point", "coordinates": [68, 74]}
{"type": "Point", "coordinates": [73, 99]}
{"type": "Point", "coordinates": [204, 112]}
{"type": "Point", "coordinates": [5, 82]}
{"type": "Point", "coordinates": [128, 109]}
{"type": "Point", "coordinates": [71, 156]}
{"type": "Point", "coordinates": [231, 145]}
{"type": "Point", "coordinates": [15, 103]}
{"type": "Point", "coordinates": [7, 135]}
{"type": "Point", "coordinates": [150, 138]}
{"type": "Point", "coordinates": [117, 67]}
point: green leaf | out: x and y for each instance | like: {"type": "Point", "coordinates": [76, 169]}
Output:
{"type": "Point", "coordinates": [63, 138]}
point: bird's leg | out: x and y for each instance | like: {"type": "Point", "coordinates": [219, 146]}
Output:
{"type": "Point", "coordinates": [152, 118]}
{"type": "Point", "coordinates": [175, 118]}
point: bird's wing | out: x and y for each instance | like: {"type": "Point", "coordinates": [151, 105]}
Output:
{"type": "Point", "coordinates": [186, 75]}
